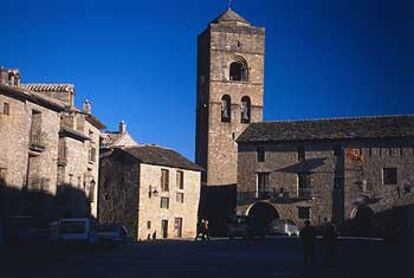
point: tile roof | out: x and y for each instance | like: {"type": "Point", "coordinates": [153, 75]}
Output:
{"type": "Point", "coordinates": [330, 129]}
{"type": "Point", "coordinates": [109, 139]}
{"type": "Point", "coordinates": [41, 87]}
{"type": "Point", "coordinates": [152, 154]}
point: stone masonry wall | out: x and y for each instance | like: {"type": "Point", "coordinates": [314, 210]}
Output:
{"type": "Point", "coordinates": [149, 206]}
{"type": "Point", "coordinates": [225, 45]}
{"type": "Point", "coordinates": [15, 142]}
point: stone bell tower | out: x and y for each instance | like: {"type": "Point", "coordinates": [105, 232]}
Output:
{"type": "Point", "coordinates": [230, 71]}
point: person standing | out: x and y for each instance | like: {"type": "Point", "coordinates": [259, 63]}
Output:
{"type": "Point", "coordinates": [308, 235]}
{"type": "Point", "coordinates": [329, 237]}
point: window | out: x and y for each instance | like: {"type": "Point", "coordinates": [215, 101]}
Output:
{"type": "Point", "coordinates": [225, 109]}
{"type": "Point", "coordinates": [304, 185]}
{"type": "Point", "coordinates": [178, 226]}
{"type": "Point", "coordinates": [261, 155]}
{"type": "Point", "coordinates": [238, 70]}
{"type": "Point", "coordinates": [338, 151]}
{"type": "Point", "coordinates": [304, 212]}
{"type": "Point", "coordinates": [3, 176]}
{"type": "Point", "coordinates": [165, 180]}
{"type": "Point", "coordinates": [36, 129]}
{"type": "Point", "coordinates": [245, 109]}
{"type": "Point", "coordinates": [6, 108]}
{"type": "Point", "coordinates": [179, 197]}
{"type": "Point", "coordinates": [165, 202]}
{"type": "Point", "coordinates": [301, 153]}
{"type": "Point", "coordinates": [91, 191]}
{"type": "Point", "coordinates": [180, 179]}
{"type": "Point", "coordinates": [338, 183]}
{"type": "Point", "coordinates": [390, 176]}
{"type": "Point", "coordinates": [262, 184]}
{"type": "Point", "coordinates": [149, 225]}
{"type": "Point", "coordinates": [92, 154]}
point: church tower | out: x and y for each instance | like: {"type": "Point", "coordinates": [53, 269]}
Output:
{"type": "Point", "coordinates": [230, 73]}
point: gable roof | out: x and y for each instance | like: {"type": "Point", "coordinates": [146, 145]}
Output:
{"type": "Point", "coordinates": [330, 129]}
{"type": "Point", "coordinates": [156, 155]}
{"type": "Point", "coordinates": [230, 16]}
{"type": "Point", "coordinates": [116, 139]}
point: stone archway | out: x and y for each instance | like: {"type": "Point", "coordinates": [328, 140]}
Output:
{"type": "Point", "coordinates": [363, 217]}
{"type": "Point", "coordinates": [263, 212]}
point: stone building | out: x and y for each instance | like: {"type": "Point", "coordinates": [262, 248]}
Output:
{"type": "Point", "coordinates": [46, 143]}
{"type": "Point", "coordinates": [153, 191]}
{"type": "Point", "coordinates": [339, 169]}
{"type": "Point", "coordinates": [230, 67]}
{"type": "Point", "coordinates": [117, 139]}
{"type": "Point", "coordinates": [231, 138]}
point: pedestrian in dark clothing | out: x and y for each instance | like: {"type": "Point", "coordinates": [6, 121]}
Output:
{"type": "Point", "coordinates": [308, 235]}
{"type": "Point", "coordinates": [329, 237]}
{"type": "Point", "coordinates": [201, 230]}
{"type": "Point", "coordinates": [206, 232]}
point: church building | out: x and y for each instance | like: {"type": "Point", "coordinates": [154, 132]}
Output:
{"type": "Point", "coordinates": [340, 169]}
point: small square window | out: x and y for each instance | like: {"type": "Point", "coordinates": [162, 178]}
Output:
{"type": "Point", "coordinates": [165, 202]}
{"type": "Point", "coordinates": [179, 197]}
{"type": "Point", "coordinates": [304, 212]}
{"type": "Point", "coordinates": [6, 108]}
{"type": "Point", "coordinates": [301, 153]}
{"type": "Point", "coordinates": [261, 155]}
{"type": "Point", "coordinates": [390, 176]}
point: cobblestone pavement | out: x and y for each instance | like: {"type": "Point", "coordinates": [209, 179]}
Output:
{"type": "Point", "coordinates": [278, 257]}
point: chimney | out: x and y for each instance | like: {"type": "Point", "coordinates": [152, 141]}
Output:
{"type": "Point", "coordinates": [87, 107]}
{"type": "Point", "coordinates": [9, 77]}
{"type": "Point", "coordinates": [122, 127]}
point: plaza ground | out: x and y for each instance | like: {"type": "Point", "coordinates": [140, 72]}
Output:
{"type": "Point", "coordinates": [271, 257]}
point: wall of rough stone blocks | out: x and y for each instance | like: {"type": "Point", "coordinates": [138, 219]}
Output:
{"type": "Point", "coordinates": [15, 141]}
{"type": "Point", "coordinates": [394, 154]}
{"type": "Point", "coordinates": [225, 44]}
{"type": "Point", "coordinates": [149, 207]}
{"type": "Point", "coordinates": [118, 191]}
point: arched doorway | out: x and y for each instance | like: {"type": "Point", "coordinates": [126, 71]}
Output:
{"type": "Point", "coordinates": [364, 218]}
{"type": "Point", "coordinates": [263, 212]}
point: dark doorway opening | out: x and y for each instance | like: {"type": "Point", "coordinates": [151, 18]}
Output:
{"type": "Point", "coordinates": [164, 226]}
{"type": "Point", "coordinates": [264, 213]}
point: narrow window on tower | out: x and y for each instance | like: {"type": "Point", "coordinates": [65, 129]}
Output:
{"type": "Point", "coordinates": [245, 109]}
{"type": "Point", "coordinates": [238, 70]}
{"type": "Point", "coordinates": [225, 109]}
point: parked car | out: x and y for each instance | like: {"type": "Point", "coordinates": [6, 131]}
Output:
{"type": "Point", "coordinates": [112, 233]}
{"type": "Point", "coordinates": [284, 227]}
{"type": "Point", "coordinates": [245, 226]}
{"type": "Point", "coordinates": [74, 229]}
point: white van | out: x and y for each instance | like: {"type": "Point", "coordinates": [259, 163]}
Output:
{"type": "Point", "coordinates": [74, 229]}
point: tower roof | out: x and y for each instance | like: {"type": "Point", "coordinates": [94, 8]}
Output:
{"type": "Point", "coordinates": [230, 16]}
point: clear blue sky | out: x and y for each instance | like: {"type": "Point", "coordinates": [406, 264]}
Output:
{"type": "Point", "coordinates": [135, 60]}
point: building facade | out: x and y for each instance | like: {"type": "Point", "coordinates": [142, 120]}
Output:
{"type": "Point", "coordinates": [151, 190]}
{"type": "Point", "coordinates": [339, 169]}
{"type": "Point", "coordinates": [47, 144]}
{"type": "Point", "coordinates": [230, 64]}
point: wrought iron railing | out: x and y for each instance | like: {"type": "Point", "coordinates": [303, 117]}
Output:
{"type": "Point", "coordinates": [275, 195]}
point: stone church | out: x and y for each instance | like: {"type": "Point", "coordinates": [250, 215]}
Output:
{"type": "Point", "coordinates": [349, 169]}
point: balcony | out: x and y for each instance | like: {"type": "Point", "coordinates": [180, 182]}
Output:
{"type": "Point", "coordinates": [275, 196]}
{"type": "Point", "coordinates": [37, 142]}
